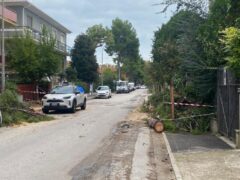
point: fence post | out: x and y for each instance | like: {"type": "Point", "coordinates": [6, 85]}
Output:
{"type": "Point", "coordinates": [1, 119]}
{"type": "Point", "coordinates": [237, 131]}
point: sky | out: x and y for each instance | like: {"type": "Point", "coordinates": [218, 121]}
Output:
{"type": "Point", "coordinates": [78, 15]}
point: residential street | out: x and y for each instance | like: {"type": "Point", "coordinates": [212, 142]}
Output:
{"type": "Point", "coordinates": [76, 146]}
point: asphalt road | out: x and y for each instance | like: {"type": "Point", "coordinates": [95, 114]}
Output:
{"type": "Point", "coordinates": [50, 150]}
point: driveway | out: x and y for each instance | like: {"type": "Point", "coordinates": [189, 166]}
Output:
{"type": "Point", "coordinates": [201, 157]}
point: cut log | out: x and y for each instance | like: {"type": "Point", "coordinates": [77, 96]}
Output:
{"type": "Point", "coordinates": [157, 125]}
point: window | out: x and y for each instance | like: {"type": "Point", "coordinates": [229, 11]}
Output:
{"type": "Point", "coordinates": [29, 21]}
{"type": "Point", "coordinates": [54, 32]}
{"type": "Point", "coordinates": [62, 39]}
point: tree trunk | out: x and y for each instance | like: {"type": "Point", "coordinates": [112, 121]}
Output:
{"type": "Point", "coordinates": [172, 99]}
{"type": "Point", "coordinates": [156, 125]}
{"type": "Point", "coordinates": [37, 91]}
{"type": "Point", "coordinates": [119, 69]}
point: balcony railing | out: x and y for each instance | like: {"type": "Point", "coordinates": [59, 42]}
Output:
{"type": "Point", "coordinates": [19, 31]}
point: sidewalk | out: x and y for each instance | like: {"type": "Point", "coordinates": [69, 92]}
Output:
{"type": "Point", "coordinates": [204, 157]}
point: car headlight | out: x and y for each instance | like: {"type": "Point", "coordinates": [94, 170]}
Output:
{"type": "Point", "coordinates": [67, 97]}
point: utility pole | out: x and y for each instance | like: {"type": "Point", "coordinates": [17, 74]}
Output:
{"type": "Point", "coordinates": [172, 99]}
{"type": "Point", "coordinates": [102, 66]}
{"type": "Point", "coordinates": [119, 68]}
{"type": "Point", "coordinates": [3, 49]}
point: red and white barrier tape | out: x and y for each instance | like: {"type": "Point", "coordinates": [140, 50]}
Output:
{"type": "Point", "coordinates": [187, 104]}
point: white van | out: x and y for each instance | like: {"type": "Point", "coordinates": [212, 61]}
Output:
{"type": "Point", "coordinates": [122, 87]}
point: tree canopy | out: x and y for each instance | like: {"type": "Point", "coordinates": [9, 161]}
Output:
{"type": "Point", "coordinates": [32, 60]}
{"type": "Point", "coordinates": [192, 45]}
{"type": "Point", "coordinates": [84, 59]}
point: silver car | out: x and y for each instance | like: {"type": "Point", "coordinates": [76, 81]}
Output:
{"type": "Point", "coordinates": [104, 92]}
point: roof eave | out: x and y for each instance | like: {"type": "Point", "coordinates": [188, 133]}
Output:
{"type": "Point", "coordinates": [26, 4]}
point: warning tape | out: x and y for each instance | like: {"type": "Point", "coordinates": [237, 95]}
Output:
{"type": "Point", "coordinates": [188, 104]}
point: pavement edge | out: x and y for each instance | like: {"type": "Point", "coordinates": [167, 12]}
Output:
{"type": "Point", "coordinates": [172, 159]}
{"type": "Point", "coordinates": [227, 141]}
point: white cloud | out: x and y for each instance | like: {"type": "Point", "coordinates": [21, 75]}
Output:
{"type": "Point", "coordinates": [78, 15]}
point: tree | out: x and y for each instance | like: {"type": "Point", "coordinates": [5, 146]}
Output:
{"type": "Point", "coordinates": [98, 34]}
{"type": "Point", "coordinates": [71, 74]}
{"type": "Point", "coordinates": [123, 42]}
{"type": "Point", "coordinates": [134, 70]}
{"type": "Point", "coordinates": [109, 77]}
{"type": "Point", "coordinates": [231, 41]}
{"type": "Point", "coordinates": [198, 6]}
{"type": "Point", "coordinates": [33, 61]}
{"type": "Point", "coordinates": [84, 59]}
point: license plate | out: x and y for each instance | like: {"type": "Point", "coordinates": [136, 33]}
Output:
{"type": "Point", "coordinates": [54, 104]}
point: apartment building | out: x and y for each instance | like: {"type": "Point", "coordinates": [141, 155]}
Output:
{"type": "Point", "coordinates": [21, 16]}
{"type": "Point", "coordinates": [33, 19]}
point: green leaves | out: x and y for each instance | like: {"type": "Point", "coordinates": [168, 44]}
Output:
{"type": "Point", "coordinates": [84, 59]}
{"type": "Point", "coordinates": [33, 60]}
{"type": "Point", "coordinates": [98, 34]}
{"type": "Point", "coordinates": [231, 41]}
{"type": "Point", "coordinates": [124, 41]}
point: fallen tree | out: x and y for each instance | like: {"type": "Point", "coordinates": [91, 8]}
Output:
{"type": "Point", "coordinates": [15, 112]}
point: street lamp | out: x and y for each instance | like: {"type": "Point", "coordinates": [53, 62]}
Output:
{"type": "Point", "coordinates": [3, 49]}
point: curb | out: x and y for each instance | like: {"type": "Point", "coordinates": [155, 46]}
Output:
{"type": "Point", "coordinates": [227, 141]}
{"type": "Point", "coordinates": [172, 159]}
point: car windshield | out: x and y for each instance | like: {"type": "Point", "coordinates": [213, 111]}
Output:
{"type": "Point", "coordinates": [63, 90]}
{"type": "Point", "coordinates": [102, 88]}
{"type": "Point", "coordinates": [121, 83]}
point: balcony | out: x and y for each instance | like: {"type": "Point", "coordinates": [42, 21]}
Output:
{"type": "Point", "coordinates": [36, 35]}
{"type": "Point", "coordinates": [10, 17]}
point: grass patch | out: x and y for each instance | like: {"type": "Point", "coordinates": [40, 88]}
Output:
{"type": "Point", "coordinates": [170, 126]}
{"type": "Point", "coordinates": [17, 117]}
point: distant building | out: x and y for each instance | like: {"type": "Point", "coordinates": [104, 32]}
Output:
{"type": "Point", "coordinates": [107, 66]}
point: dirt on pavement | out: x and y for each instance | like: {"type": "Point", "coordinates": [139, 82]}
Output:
{"type": "Point", "coordinates": [114, 159]}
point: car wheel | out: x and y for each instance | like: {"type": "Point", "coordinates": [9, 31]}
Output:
{"type": "Point", "coordinates": [74, 106]}
{"type": "Point", "coordinates": [45, 111]}
{"type": "Point", "coordinates": [83, 107]}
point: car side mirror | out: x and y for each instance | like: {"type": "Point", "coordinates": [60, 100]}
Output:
{"type": "Point", "coordinates": [77, 92]}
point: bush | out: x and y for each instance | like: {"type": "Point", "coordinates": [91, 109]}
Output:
{"type": "Point", "coordinates": [195, 125]}
{"type": "Point", "coordinates": [145, 107]}
{"type": "Point", "coordinates": [9, 104]}
{"type": "Point", "coordinates": [9, 98]}
{"type": "Point", "coordinates": [170, 125]}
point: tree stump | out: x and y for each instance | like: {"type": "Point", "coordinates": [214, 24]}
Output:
{"type": "Point", "coordinates": [157, 125]}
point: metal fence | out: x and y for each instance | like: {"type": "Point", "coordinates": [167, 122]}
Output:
{"type": "Point", "coordinates": [228, 103]}
{"type": "Point", "coordinates": [29, 93]}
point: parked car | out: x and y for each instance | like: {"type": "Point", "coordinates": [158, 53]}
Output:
{"type": "Point", "coordinates": [131, 86]}
{"type": "Point", "coordinates": [122, 87]}
{"type": "Point", "coordinates": [138, 86]}
{"type": "Point", "coordinates": [104, 91]}
{"type": "Point", "coordinates": [64, 98]}
{"type": "Point", "coordinates": [143, 87]}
